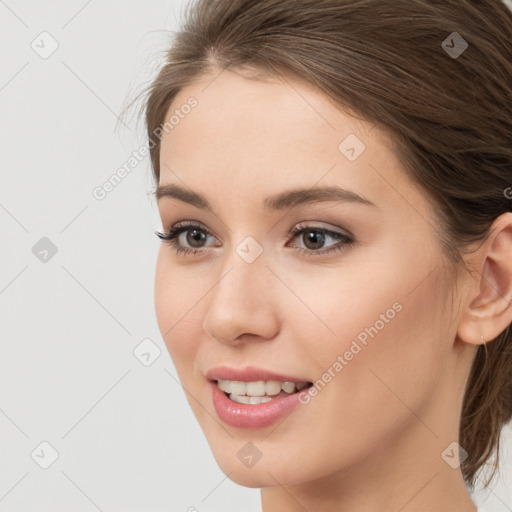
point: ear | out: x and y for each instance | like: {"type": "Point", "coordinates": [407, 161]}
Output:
{"type": "Point", "coordinates": [488, 304]}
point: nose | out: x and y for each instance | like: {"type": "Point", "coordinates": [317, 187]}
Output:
{"type": "Point", "coordinates": [243, 304]}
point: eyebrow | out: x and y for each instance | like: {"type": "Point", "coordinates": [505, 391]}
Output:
{"type": "Point", "coordinates": [281, 201]}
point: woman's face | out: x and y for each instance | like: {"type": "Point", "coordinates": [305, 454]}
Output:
{"type": "Point", "coordinates": [363, 308]}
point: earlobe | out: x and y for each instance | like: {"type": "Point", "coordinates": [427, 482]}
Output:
{"type": "Point", "coordinates": [488, 310]}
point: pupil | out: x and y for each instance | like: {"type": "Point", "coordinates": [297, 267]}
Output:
{"type": "Point", "coordinates": [197, 236]}
{"type": "Point", "coordinates": [314, 237]}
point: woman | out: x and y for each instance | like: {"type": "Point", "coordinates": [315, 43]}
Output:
{"type": "Point", "coordinates": [334, 179]}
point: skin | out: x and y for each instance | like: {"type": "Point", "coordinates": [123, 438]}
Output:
{"type": "Point", "coordinates": [373, 438]}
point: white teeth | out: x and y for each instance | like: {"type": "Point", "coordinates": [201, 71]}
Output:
{"type": "Point", "coordinates": [259, 388]}
{"type": "Point", "coordinates": [272, 387]}
{"type": "Point", "coordinates": [289, 387]}
{"type": "Point", "coordinates": [239, 399]}
{"type": "Point", "coordinates": [255, 388]}
{"type": "Point", "coordinates": [259, 399]}
{"type": "Point", "coordinates": [238, 387]}
{"type": "Point", "coordinates": [249, 399]}
{"type": "Point", "coordinates": [224, 385]}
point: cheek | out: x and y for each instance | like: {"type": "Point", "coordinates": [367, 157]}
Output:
{"type": "Point", "coordinates": [391, 341]}
{"type": "Point", "coordinates": [338, 305]}
{"type": "Point", "coordinates": [388, 360]}
{"type": "Point", "coordinates": [176, 305]}
{"type": "Point", "coordinates": [386, 317]}
{"type": "Point", "coordinates": [390, 297]}
{"type": "Point", "coordinates": [163, 296]}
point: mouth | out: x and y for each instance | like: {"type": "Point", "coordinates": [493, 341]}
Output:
{"type": "Point", "coordinates": [259, 392]}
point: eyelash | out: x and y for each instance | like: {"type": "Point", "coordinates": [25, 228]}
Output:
{"type": "Point", "coordinates": [171, 237]}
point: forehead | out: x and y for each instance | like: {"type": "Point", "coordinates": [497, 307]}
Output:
{"type": "Point", "coordinates": [255, 114]}
{"type": "Point", "coordinates": [256, 138]}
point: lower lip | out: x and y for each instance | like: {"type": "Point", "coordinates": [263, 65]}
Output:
{"type": "Point", "coordinates": [252, 416]}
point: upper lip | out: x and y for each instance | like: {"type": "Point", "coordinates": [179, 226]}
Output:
{"type": "Point", "coordinates": [249, 374]}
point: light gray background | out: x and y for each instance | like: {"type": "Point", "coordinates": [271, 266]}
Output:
{"type": "Point", "coordinates": [124, 433]}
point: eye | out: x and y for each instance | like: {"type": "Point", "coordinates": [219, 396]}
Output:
{"type": "Point", "coordinates": [195, 235]}
{"type": "Point", "coordinates": [316, 237]}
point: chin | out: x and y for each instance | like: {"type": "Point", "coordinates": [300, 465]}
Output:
{"type": "Point", "coordinates": [262, 474]}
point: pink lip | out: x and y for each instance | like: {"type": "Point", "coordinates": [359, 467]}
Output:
{"type": "Point", "coordinates": [253, 416]}
{"type": "Point", "coordinates": [249, 374]}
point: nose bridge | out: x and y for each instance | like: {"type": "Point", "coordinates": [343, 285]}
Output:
{"type": "Point", "coordinates": [246, 268]}
{"type": "Point", "coordinates": [243, 300]}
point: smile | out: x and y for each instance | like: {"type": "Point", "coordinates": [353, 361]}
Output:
{"type": "Point", "coordinates": [259, 411]}
{"type": "Point", "coordinates": [258, 392]}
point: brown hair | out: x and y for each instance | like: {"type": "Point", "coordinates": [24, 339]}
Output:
{"type": "Point", "coordinates": [450, 117]}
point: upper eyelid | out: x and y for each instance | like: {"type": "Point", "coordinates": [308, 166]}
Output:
{"type": "Point", "coordinates": [311, 225]}
{"type": "Point", "coordinates": [300, 225]}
